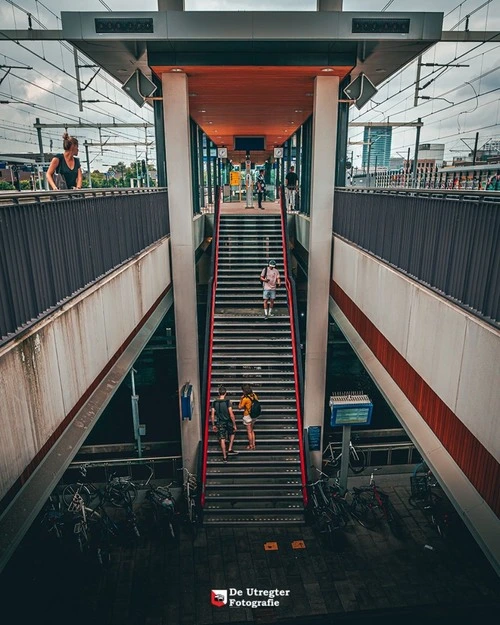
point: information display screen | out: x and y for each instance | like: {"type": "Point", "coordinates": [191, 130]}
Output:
{"type": "Point", "coordinates": [351, 414]}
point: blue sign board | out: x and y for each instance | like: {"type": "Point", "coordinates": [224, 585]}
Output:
{"type": "Point", "coordinates": [314, 437]}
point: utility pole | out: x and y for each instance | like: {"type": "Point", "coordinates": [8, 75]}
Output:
{"type": "Point", "coordinates": [474, 154]}
{"type": "Point", "coordinates": [88, 162]}
{"type": "Point", "coordinates": [417, 80]}
{"type": "Point", "coordinates": [415, 157]}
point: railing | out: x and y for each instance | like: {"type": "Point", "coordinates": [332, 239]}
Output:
{"type": "Point", "coordinates": [297, 362]}
{"type": "Point", "coordinates": [54, 244]}
{"type": "Point", "coordinates": [445, 239]}
{"type": "Point", "coordinates": [207, 374]}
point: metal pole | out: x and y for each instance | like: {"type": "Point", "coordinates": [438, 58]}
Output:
{"type": "Point", "coordinates": [417, 81]}
{"type": "Point", "coordinates": [135, 413]}
{"type": "Point", "coordinates": [40, 147]}
{"type": "Point", "coordinates": [352, 166]}
{"type": "Point", "coordinates": [415, 157]}
{"type": "Point", "coordinates": [369, 156]}
{"type": "Point", "coordinates": [408, 170]}
{"type": "Point", "coordinates": [376, 165]}
{"type": "Point", "coordinates": [344, 463]}
{"type": "Point", "coordinates": [77, 76]}
{"type": "Point", "coordinates": [148, 182]}
{"type": "Point", "coordinates": [136, 165]}
{"type": "Point", "coordinates": [474, 155]}
{"type": "Point", "coordinates": [88, 162]}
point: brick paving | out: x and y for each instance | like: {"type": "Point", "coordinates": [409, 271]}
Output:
{"type": "Point", "coordinates": [369, 577]}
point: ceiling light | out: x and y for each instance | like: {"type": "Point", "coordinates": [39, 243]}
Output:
{"type": "Point", "coordinates": [192, 95]}
{"type": "Point", "coordinates": [210, 122]}
{"type": "Point", "coordinates": [202, 111]}
{"type": "Point", "coordinates": [176, 69]}
{"type": "Point", "coordinates": [298, 110]}
{"type": "Point", "coordinates": [309, 94]}
{"type": "Point", "coordinates": [327, 69]}
{"type": "Point", "coordinates": [291, 122]}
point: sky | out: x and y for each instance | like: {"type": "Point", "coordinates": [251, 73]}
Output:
{"type": "Point", "coordinates": [463, 100]}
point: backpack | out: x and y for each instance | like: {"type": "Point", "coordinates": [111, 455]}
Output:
{"type": "Point", "coordinates": [255, 408]}
{"type": "Point", "coordinates": [263, 274]}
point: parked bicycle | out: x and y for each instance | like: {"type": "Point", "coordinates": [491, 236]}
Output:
{"type": "Point", "coordinates": [117, 490]}
{"type": "Point", "coordinates": [163, 506]}
{"type": "Point", "coordinates": [190, 487]}
{"type": "Point", "coordinates": [332, 459]}
{"type": "Point", "coordinates": [370, 505]}
{"type": "Point", "coordinates": [423, 497]}
{"type": "Point", "coordinates": [327, 511]}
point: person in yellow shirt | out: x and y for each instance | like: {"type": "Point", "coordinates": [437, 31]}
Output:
{"type": "Point", "coordinates": [246, 405]}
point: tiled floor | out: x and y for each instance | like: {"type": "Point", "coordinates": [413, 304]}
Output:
{"type": "Point", "coordinates": [369, 577]}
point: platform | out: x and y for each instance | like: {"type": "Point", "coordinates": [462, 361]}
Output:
{"type": "Point", "coordinates": [370, 577]}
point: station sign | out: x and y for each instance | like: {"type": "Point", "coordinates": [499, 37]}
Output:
{"type": "Point", "coordinates": [234, 178]}
{"type": "Point", "coordinates": [350, 409]}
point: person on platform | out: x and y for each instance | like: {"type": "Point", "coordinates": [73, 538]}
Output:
{"type": "Point", "coordinates": [226, 422]}
{"type": "Point", "coordinates": [291, 188]}
{"type": "Point", "coordinates": [261, 188]}
{"type": "Point", "coordinates": [67, 166]}
{"type": "Point", "coordinates": [270, 278]}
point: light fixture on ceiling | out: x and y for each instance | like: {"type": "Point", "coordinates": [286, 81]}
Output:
{"type": "Point", "coordinates": [210, 122]}
{"type": "Point", "coordinates": [298, 110]}
{"type": "Point", "coordinates": [309, 95]}
{"type": "Point", "coordinates": [202, 111]}
{"type": "Point", "coordinates": [291, 122]}
{"type": "Point", "coordinates": [193, 95]}
{"type": "Point", "coordinates": [327, 69]}
{"type": "Point", "coordinates": [176, 69]}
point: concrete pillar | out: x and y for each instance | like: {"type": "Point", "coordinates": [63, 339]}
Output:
{"type": "Point", "coordinates": [326, 5]}
{"type": "Point", "coordinates": [179, 175]}
{"type": "Point", "coordinates": [324, 141]}
{"type": "Point", "coordinates": [170, 5]}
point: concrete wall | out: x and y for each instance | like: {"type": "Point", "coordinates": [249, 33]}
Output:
{"type": "Point", "coordinates": [45, 373]}
{"type": "Point", "coordinates": [456, 354]}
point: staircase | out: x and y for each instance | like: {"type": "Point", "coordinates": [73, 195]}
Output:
{"type": "Point", "coordinates": [263, 485]}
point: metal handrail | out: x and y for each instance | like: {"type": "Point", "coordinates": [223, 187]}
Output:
{"type": "Point", "coordinates": [297, 369]}
{"type": "Point", "coordinates": [461, 194]}
{"type": "Point", "coordinates": [207, 374]}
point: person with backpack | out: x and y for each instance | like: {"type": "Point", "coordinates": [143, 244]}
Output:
{"type": "Point", "coordinates": [226, 423]}
{"type": "Point", "coordinates": [250, 405]}
{"type": "Point", "coordinates": [270, 278]}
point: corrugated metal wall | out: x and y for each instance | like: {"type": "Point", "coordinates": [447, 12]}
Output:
{"type": "Point", "coordinates": [447, 244]}
{"type": "Point", "coordinates": [51, 250]}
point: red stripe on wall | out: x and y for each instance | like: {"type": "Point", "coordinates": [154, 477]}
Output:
{"type": "Point", "coordinates": [481, 468]}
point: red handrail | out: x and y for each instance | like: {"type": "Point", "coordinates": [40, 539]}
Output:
{"type": "Point", "coordinates": [294, 352]}
{"type": "Point", "coordinates": [210, 349]}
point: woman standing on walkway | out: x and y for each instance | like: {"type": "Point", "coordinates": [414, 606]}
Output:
{"type": "Point", "coordinates": [246, 405]}
{"type": "Point", "coordinates": [66, 165]}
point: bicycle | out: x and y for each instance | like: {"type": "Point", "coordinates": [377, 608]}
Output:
{"type": "Point", "coordinates": [190, 487]}
{"type": "Point", "coordinates": [163, 506]}
{"type": "Point", "coordinates": [114, 491]}
{"type": "Point", "coordinates": [425, 499]}
{"type": "Point", "coordinates": [370, 505]}
{"type": "Point", "coordinates": [331, 461]}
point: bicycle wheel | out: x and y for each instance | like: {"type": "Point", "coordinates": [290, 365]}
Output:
{"type": "Point", "coordinates": [121, 494]}
{"type": "Point", "coordinates": [76, 489]}
{"type": "Point", "coordinates": [357, 461]}
{"type": "Point", "coordinates": [364, 512]}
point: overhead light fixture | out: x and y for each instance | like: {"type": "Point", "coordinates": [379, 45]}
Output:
{"type": "Point", "coordinates": [210, 122]}
{"type": "Point", "coordinates": [193, 95]}
{"type": "Point", "coordinates": [176, 69]}
{"type": "Point", "coordinates": [291, 122]}
{"type": "Point", "coordinates": [298, 110]}
{"type": "Point", "coordinates": [202, 111]}
{"type": "Point", "coordinates": [327, 69]}
{"type": "Point", "coordinates": [309, 94]}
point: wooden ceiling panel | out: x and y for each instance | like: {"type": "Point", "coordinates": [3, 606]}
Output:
{"type": "Point", "coordinates": [251, 101]}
